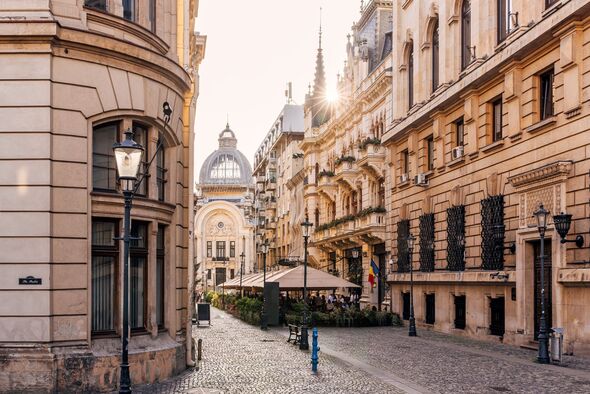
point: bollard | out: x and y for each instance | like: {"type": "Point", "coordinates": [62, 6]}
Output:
{"type": "Point", "coordinates": [314, 351]}
{"type": "Point", "coordinates": [199, 349]}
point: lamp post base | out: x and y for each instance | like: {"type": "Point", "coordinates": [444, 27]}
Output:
{"type": "Point", "coordinates": [412, 329]}
{"type": "Point", "coordinates": [304, 341]}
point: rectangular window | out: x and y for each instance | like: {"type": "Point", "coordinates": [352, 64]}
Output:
{"type": "Point", "coordinates": [460, 312]}
{"type": "Point", "coordinates": [130, 10]}
{"type": "Point", "coordinates": [160, 274]}
{"type": "Point", "coordinates": [138, 275]}
{"type": "Point", "coordinates": [546, 96]}
{"type": "Point", "coordinates": [459, 132]}
{"type": "Point", "coordinates": [231, 273]}
{"type": "Point", "coordinates": [161, 171]}
{"type": "Point", "coordinates": [232, 249]}
{"type": "Point", "coordinates": [430, 153]}
{"type": "Point", "coordinates": [152, 15]}
{"type": "Point", "coordinates": [405, 158]}
{"type": "Point", "coordinates": [140, 135]}
{"type": "Point", "coordinates": [497, 120]}
{"type": "Point", "coordinates": [549, 3]}
{"type": "Point", "coordinates": [104, 275]}
{"type": "Point", "coordinates": [430, 309]}
{"type": "Point", "coordinates": [98, 4]}
{"type": "Point", "coordinates": [209, 249]}
{"type": "Point", "coordinates": [209, 274]}
{"type": "Point", "coordinates": [220, 245]}
{"type": "Point", "coordinates": [104, 167]}
{"type": "Point", "coordinates": [504, 9]}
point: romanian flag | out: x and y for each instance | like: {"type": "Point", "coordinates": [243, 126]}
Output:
{"type": "Point", "coordinates": [373, 273]}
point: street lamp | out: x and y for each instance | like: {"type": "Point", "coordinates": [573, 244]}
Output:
{"type": "Point", "coordinates": [543, 356]}
{"type": "Point", "coordinates": [242, 257]}
{"type": "Point", "coordinates": [412, 330]}
{"type": "Point", "coordinates": [128, 156]}
{"type": "Point", "coordinates": [264, 249]}
{"type": "Point", "coordinates": [303, 343]}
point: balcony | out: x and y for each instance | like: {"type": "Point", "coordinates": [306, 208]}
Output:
{"type": "Point", "coordinates": [371, 227]}
{"type": "Point", "coordinates": [327, 184]}
{"type": "Point", "coordinates": [346, 172]}
{"type": "Point", "coordinates": [372, 157]}
{"type": "Point", "coordinates": [271, 183]}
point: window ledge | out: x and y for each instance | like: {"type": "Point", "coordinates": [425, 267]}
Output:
{"type": "Point", "coordinates": [456, 162]}
{"type": "Point", "coordinates": [403, 184]}
{"type": "Point", "coordinates": [493, 146]}
{"type": "Point", "coordinates": [541, 125]}
{"type": "Point", "coordinates": [551, 9]}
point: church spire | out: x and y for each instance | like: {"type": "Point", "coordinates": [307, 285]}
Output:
{"type": "Point", "coordinates": [319, 107]}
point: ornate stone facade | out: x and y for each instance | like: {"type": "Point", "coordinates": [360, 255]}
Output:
{"type": "Point", "coordinates": [500, 112]}
{"type": "Point", "coordinates": [75, 75]}
{"type": "Point", "coordinates": [224, 218]}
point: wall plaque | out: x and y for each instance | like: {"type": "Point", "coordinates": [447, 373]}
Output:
{"type": "Point", "coordinates": [30, 280]}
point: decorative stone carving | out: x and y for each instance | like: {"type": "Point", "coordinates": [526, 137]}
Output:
{"type": "Point", "coordinates": [559, 170]}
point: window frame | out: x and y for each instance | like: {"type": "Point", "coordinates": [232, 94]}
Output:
{"type": "Point", "coordinates": [106, 251]}
{"type": "Point", "coordinates": [161, 170]}
{"type": "Point", "coordinates": [435, 57]}
{"type": "Point", "coordinates": [503, 28]}
{"type": "Point", "coordinates": [111, 166]}
{"type": "Point", "coordinates": [429, 146]}
{"type": "Point", "coordinates": [96, 7]}
{"type": "Point", "coordinates": [410, 74]}
{"type": "Point", "coordinates": [465, 34]}
{"type": "Point", "coordinates": [161, 271]}
{"type": "Point", "coordinates": [232, 248]}
{"type": "Point", "coordinates": [220, 246]}
{"type": "Point", "coordinates": [136, 251]}
{"type": "Point", "coordinates": [209, 249]}
{"type": "Point", "coordinates": [404, 161]}
{"type": "Point", "coordinates": [459, 130]}
{"type": "Point", "coordinates": [497, 109]}
{"type": "Point", "coordinates": [548, 99]}
{"type": "Point", "coordinates": [143, 189]}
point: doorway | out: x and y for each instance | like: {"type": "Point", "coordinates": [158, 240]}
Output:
{"type": "Point", "coordinates": [537, 284]}
{"type": "Point", "coordinates": [497, 314]}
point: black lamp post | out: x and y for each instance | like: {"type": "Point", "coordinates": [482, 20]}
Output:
{"type": "Point", "coordinates": [128, 156]}
{"type": "Point", "coordinates": [412, 330]}
{"type": "Point", "coordinates": [263, 320]}
{"type": "Point", "coordinates": [543, 357]}
{"type": "Point", "coordinates": [242, 258]}
{"type": "Point", "coordinates": [304, 342]}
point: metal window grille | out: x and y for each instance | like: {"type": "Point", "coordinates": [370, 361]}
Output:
{"type": "Point", "coordinates": [427, 242]}
{"type": "Point", "coordinates": [456, 238]}
{"type": "Point", "coordinates": [403, 231]}
{"type": "Point", "coordinates": [104, 275]}
{"type": "Point", "coordinates": [492, 232]}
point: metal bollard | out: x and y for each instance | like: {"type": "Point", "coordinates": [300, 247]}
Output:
{"type": "Point", "coordinates": [199, 349]}
{"type": "Point", "coordinates": [314, 351]}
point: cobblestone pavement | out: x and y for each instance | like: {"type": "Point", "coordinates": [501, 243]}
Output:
{"type": "Point", "coordinates": [441, 363]}
{"type": "Point", "coordinates": [239, 358]}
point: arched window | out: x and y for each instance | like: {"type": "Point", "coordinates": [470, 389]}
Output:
{"type": "Point", "coordinates": [435, 69]}
{"type": "Point", "coordinates": [465, 34]}
{"type": "Point", "coordinates": [410, 74]}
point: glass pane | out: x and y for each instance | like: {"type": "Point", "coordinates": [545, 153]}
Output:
{"type": "Point", "coordinates": [161, 171]}
{"type": "Point", "coordinates": [137, 277]}
{"type": "Point", "coordinates": [160, 290]}
{"type": "Point", "coordinates": [103, 293]}
{"type": "Point", "coordinates": [140, 135]}
{"type": "Point", "coordinates": [103, 233]}
{"type": "Point", "coordinates": [104, 168]}
{"type": "Point", "coordinates": [139, 230]}
{"type": "Point", "coordinates": [129, 10]}
{"type": "Point", "coordinates": [98, 4]}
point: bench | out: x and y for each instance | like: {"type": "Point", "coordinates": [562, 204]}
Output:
{"type": "Point", "coordinates": [294, 334]}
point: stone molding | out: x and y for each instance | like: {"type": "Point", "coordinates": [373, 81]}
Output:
{"type": "Point", "coordinates": [559, 169]}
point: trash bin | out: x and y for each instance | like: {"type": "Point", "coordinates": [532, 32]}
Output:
{"type": "Point", "coordinates": [556, 345]}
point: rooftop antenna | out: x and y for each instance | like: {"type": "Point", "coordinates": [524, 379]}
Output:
{"type": "Point", "coordinates": [320, 28]}
{"type": "Point", "coordinates": [289, 93]}
{"type": "Point", "coordinates": [227, 120]}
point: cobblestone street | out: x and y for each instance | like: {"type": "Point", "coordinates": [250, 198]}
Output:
{"type": "Point", "coordinates": [239, 358]}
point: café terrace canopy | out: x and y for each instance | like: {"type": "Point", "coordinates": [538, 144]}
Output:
{"type": "Point", "coordinates": [291, 279]}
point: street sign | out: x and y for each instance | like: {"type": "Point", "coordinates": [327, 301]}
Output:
{"type": "Point", "coordinates": [30, 280]}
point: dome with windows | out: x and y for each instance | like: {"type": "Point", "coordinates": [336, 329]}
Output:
{"type": "Point", "coordinates": [227, 165]}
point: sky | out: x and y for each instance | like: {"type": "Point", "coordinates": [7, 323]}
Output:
{"type": "Point", "coordinates": [254, 48]}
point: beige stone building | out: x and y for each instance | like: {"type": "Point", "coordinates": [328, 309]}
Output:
{"type": "Point", "coordinates": [344, 160]}
{"type": "Point", "coordinates": [74, 75]}
{"type": "Point", "coordinates": [490, 119]}
{"type": "Point", "coordinates": [278, 165]}
{"type": "Point", "coordinates": [224, 221]}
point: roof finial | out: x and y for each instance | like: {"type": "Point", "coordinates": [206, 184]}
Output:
{"type": "Point", "coordinates": [362, 5]}
{"type": "Point", "coordinates": [320, 27]}
{"type": "Point", "coordinates": [227, 120]}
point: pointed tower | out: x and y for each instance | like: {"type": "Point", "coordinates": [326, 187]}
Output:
{"type": "Point", "coordinates": [320, 108]}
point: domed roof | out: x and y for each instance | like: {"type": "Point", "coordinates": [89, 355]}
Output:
{"type": "Point", "coordinates": [227, 165]}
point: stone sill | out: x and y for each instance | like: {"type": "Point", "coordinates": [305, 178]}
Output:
{"type": "Point", "coordinates": [493, 146]}
{"type": "Point", "coordinates": [574, 276]}
{"type": "Point", "coordinates": [456, 162]}
{"type": "Point", "coordinates": [541, 125]}
{"type": "Point", "coordinates": [477, 277]}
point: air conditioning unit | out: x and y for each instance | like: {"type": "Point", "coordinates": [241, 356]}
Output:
{"type": "Point", "coordinates": [404, 177]}
{"type": "Point", "coordinates": [421, 180]}
{"type": "Point", "coordinates": [457, 152]}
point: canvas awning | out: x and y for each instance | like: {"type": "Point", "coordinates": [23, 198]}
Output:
{"type": "Point", "coordinates": [292, 279]}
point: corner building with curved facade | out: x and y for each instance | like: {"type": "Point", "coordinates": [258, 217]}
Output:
{"type": "Point", "coordinates": [224, 228]}
{"type": "Point", "coordinates": [74, 76]}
